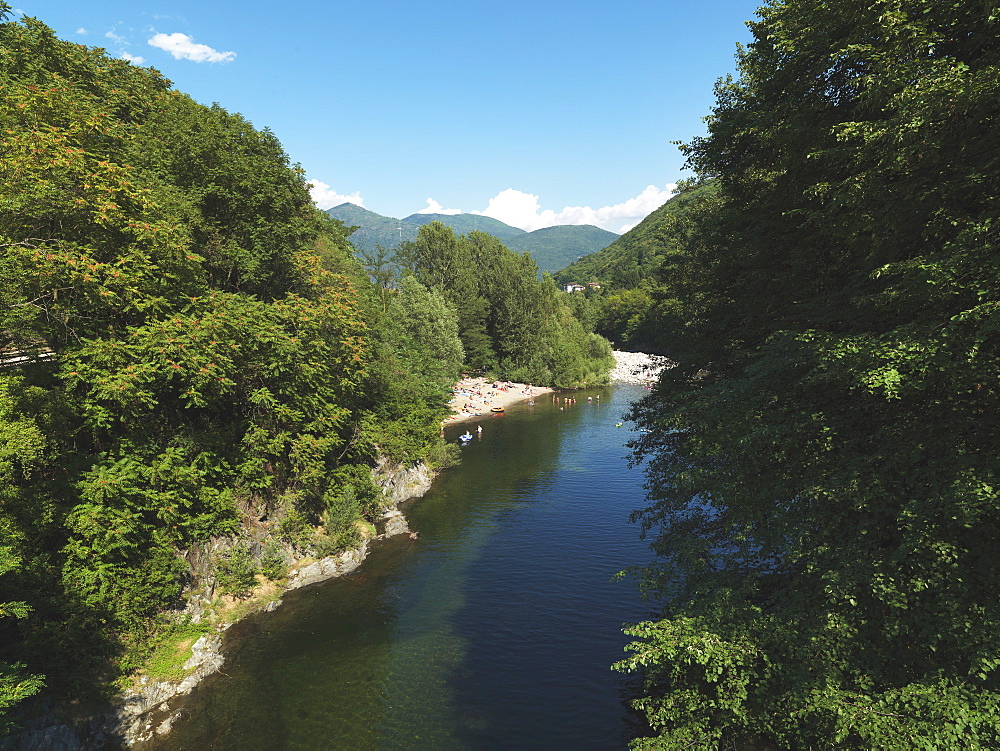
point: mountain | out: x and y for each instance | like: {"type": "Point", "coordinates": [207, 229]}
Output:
{"type": "Point", "coordinates": [636, 255]}
{"type": "Point", "coordinates": [555, 247]}
{"type": "Point", "coordinates": [357, 216]}
{"type": "Point", "coordinates": [551, 247]}
{"type": "Point", "coordinates": [463, 224]}
{"type": "Point", "coordinates": [372, 229]}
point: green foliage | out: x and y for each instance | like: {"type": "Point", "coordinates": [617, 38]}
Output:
{"type": "Point", "coordinates": [425, 332]}
{"type": "Point", "coordinates": [634, 307]}
{"type": "Point", "coordinates": [441, 455]}
{"type": "Point", "coordinates": [273, 563]}
{"type": "Point", "coordinates": [336, 541]}
{"type": "Point", "coordinates": [683, 651]}
{"type": "Point", "coordinates": [822, 465]}
{"type": "Point", "coordinates": [636, 256]}
{"type": "Point", "coordinates": [508, 321]}
{"type": "Point", "coordinates": [294, 527]}
{"type": "Point", "coordinates": [440, 261]}
{"type": "Point", "coordinates": [171, 649]}
{"type": "Point", "coordinates": [236, 571]}
{"type": "Point", "coordinates": [15, 683]}
{"type": "Point", "coordinates": [622, 314]}
{"type": "Point", "coordinates": [343, 512]}
{"type": "Point", "coordinates": [15, 686]}
{"type": "Point", "coordinates": [352, 484]}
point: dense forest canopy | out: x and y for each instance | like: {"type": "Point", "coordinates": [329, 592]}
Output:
{"type": "Point", "coordinates": [822, 464]}
{"type": "Point", "coordinates": [509, 321]}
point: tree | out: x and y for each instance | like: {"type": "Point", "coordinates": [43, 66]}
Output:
{"type": "Point", "coordinates": [22, 446]}
{"type": "Point", "coordinates": [382, 271]}
{"type": "Point", "coordinates": [427, 329]}
{"type": "Point", "coordinates": [441, 261]}
{"type": "Point", "coordinates": [822, 482]}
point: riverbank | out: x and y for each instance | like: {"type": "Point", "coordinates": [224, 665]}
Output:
{"type": "Point", "coordinates": [475, 397]}
{"type": "Point", "coordinates": [639, 368]}
{"type": "Point", "coordinates": [150, 707]}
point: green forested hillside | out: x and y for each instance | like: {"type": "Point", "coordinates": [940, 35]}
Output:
{"type": "Point", "coordinates": [371, 230]}
{"type": "Point", "coordinates": [822, 464]}
{"type": "Point", "coordinates": [555, 247]}
{"type": "Point", "coordinates": [374, 229]}
{"type": "Point", "coordinates": [631, 308]}
{"type": "Point", "coordinates": [635, 256]}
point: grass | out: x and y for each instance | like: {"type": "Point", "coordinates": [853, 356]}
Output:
{"type": "Point", "coordinates": [172, 649]}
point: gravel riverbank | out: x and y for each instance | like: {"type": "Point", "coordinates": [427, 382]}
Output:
{"type": "Point", "coordinates": [638, 367]}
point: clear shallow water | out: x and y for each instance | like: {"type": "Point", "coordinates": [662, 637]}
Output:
{"type": "Point", "coordinates": [494, 630]}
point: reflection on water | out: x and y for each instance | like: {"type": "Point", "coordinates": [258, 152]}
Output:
{"type": "Point", "coordinates": [495, 629]}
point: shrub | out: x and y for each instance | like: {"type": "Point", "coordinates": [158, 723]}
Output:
{"type": "Point", "coordinates": [272, 562]}
{"type": "Point", "coordinates": [236, 572]}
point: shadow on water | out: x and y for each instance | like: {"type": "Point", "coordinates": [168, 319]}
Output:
{"type": "Point", "coordinates": [495, 629]}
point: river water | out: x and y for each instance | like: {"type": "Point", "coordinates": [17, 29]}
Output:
{"type": "Point", "coordinates": [495, 629]}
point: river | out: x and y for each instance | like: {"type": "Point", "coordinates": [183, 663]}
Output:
{"type": "Point", "coordinates": [495, 629]}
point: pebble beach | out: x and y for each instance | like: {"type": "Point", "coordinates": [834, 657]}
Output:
{"type": "Point", "coordinates": [638, 367]}
{"type": "Point", "coordinates": [476, 397]}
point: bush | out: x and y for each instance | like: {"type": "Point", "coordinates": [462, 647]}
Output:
{"type": "Point", "coordinates": [361, 495]}
{"type": "Point", "coordinates": [294, 528]}
{"type": "Point", "coordinates": [171, 650]}
{"type": "Point", "coordinates": [236, 572]}
{"type": "Point", "coordinates": [441, 455]}
{"type": "Point", "coordinates": [336, 542]}
{"type": "Point", "coordinates": [272, 562]}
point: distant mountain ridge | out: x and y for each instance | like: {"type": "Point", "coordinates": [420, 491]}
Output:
{"type": "Point", "coordinates": [463, 224]}
{"type": "Point", "coordinates": [552, 248]}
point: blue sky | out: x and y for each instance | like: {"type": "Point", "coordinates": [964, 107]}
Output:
{"type": "Point", "coordinates": [537, 113]}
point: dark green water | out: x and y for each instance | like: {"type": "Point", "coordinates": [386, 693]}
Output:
{"type": "Point", "coordinates": [494, 630]}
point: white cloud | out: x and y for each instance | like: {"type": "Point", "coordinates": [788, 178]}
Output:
{"type": "Point", "coordinates": [134, 59]}
{"type": "Point", "coordinates": [183, 47]}
{"type": "Point", "coordinates": [326, 198]}
{"type": "Point", "coordinates": [520, 209]}
{"type": "Point", "coordinates": [433, 207]}
{"type": "Point", "coordinates": [115, 36]}
{"type": "Point", "coordinates": [81, 31]}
